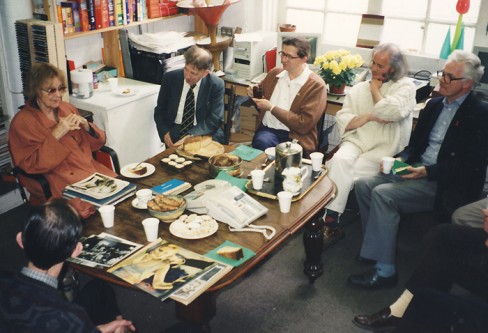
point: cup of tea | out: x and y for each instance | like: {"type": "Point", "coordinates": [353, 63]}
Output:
{"type": "Point", "coordinates": [257, 91]}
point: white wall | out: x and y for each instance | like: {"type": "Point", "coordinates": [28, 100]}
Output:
{"type": "Point", "coordinates": [11, 11]}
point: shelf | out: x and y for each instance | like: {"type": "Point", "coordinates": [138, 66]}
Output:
{"type": "Point", "coordinates": [133, 24]}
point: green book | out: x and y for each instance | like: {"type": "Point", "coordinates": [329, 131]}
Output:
{"type": "Point", "coordinates": [400, 168]}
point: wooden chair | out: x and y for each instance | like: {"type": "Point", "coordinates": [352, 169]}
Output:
{"type": "Point", "coordinates": [229, 105]}
{"type": "Point", "coordinates": [106, 156]}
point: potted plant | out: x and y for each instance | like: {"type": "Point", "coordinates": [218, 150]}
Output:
{"type": "Point", "coordinates": [336, 69]}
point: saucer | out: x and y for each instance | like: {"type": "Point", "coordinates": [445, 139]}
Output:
{"type": "Point", "coordinates": [135, 204]}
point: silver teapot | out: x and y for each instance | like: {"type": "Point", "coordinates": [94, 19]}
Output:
{"type": "Point", "coordinates": [287, 155]}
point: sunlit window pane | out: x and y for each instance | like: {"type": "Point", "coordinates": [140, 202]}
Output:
{"type": "Point", "coordinates": [308, 4]}
{"type": "Point", "coordinates": [335, 33]}
{"type": "Point", "coordinates": [305, 20]}
{"type": "Point", "coordinates": [410, 8]}
{"type": "Point", "coordinates": [443, 10]}
{"type": "Point", "coordinates": [351, 6]}
{"type": "Point", "coordinates": [436, 34]}
{"type": "Point", "coordinates": [394, 32]}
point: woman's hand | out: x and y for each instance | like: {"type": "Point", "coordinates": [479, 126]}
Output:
{"type": "Point", "coordinates": [69, 123]}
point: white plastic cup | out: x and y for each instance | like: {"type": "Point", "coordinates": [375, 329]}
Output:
{"type": "Point", "coordinates": [284, 198]}
{"type": "Point", "coordinates": [387, 164]}
{"type": "Point", "coordinates": [107, 213]}
{"type": "Point", "coordinates": [143, 196]}
{"type": "Point", "coordinates": [257, 179]}
{"type": "Point", "coordinates": [114, 83]}
{"type": "Point", "coordinates": [151, 225]}
{"type": "Point", "coordinates": [317, 159]}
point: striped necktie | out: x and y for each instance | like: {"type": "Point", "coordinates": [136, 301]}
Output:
{"type": "Point", "coordinates": [188, 111]}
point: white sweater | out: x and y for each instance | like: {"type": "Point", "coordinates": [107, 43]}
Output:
{"type": "Point", "coordinates": [375, 139]}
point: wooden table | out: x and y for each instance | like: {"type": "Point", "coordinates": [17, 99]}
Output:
{"type": "Point", "coordinates": [306, 213]}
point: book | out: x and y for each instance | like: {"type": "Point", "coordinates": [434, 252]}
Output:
{"type": "Point", "coordinates": [173, 186]}
{"type": "Point", "coordinates": [90, 8]}
{"type": "Point", "coordinates": [162, 268]}
{"type": "Point", "coordinates": [100, 190]}
{"type": "Point", "coordinates": [84, 20]}
{"type": "Point", "coordinates": [400, 168]}
{"type": "Point", "coordinates": [129, 191]}
{"type": "Point", "coordinates": [104, 250]}
{"type": "Point", "coordinates": [118, 12]}
{"type": "Point", "coordinates": [111, 13]}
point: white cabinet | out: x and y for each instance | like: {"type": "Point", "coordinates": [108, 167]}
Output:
{"type": "Point", "coordinates": [128, 120]}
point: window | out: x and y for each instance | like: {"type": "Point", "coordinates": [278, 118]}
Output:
{"type": "Point", "coordinates": [426, 21]}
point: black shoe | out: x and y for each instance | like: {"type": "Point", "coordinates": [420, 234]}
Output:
{"type": "Point", "coordinates": [364, 260]}
{"type": "Point", "coordinates": [332, 236]}
{"type": "Point", "coordinates": [380, 321]}
{"type": "Point", "coordinates": [371, 280]}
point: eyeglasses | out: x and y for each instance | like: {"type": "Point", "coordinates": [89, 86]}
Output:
{"type": "Point", "coordinates": [287, 56]}
{"type": "Point", "coordinates": [448, 77]}
{"type": "Point", "coordinates": [52, 91]}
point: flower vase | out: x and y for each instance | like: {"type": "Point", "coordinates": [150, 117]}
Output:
{"type": "Point", "coordinates": [337, 90]}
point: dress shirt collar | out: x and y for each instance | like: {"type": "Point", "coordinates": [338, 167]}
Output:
{"type": "Point", "coordinates": [457, 102]}
{"type": "Point", "coordinates": [300, 79]}
{"type": "Point", "coordinates": [40, 276]}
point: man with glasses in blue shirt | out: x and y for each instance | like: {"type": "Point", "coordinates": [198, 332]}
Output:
{"type": "Point", "coordinates": [294, 98]}
{"type": "Point", "coordinates": [449, 148]}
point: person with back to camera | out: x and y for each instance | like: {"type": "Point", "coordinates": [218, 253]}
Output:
{"type": "Point", "coordinates": [30, 301]}
{"type": "Point", "coordinates": [449, 147]}
{"type": "Point", "coordinates": [294, 99]}
{"type": "Point", "coordinates": [205, 112]}
{"type": "Point", "coordinates": [452, 254]}
{"type": "Point", "coordinates": [375, 121]}
{"type": "Point", "coordinates": [48, 136]}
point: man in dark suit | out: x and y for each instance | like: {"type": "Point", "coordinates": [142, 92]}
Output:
{"type": "Point", "coordinates": [449, 147]}
{"type": "Point", "coordinates": [452, 254]}
{"type": "Point", "coordinates": [207, 102]}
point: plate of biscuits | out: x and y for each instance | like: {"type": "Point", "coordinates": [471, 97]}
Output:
{"type": "Point", "coordinates": [137, 170]}
{"type": "Point", "coordinates": [199, 147]}
{"type": "Point", "coordinates": [194, 226]}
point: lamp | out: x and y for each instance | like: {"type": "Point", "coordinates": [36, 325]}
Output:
{"type": "Point", "coordinates": [211, 14]}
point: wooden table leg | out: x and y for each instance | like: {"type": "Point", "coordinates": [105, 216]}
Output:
{"type": "Point", "coordinates": [198, 312]}
{"type": "Point", "coordinates": [313, 242]}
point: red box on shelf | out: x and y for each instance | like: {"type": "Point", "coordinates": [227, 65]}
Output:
{"type": "Point", "coordinates": [168, 9]}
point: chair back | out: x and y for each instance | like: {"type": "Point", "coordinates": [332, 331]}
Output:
{"type": "Point", "coordinates": [108, 157]}
{"type": "Point", "coordinates": [229, 106]}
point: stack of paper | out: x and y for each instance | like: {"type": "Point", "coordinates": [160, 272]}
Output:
{"type": "Point", "coordinates": [99, 190]}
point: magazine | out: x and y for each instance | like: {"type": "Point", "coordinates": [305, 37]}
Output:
{"type": "Point", "coordinates": [161, 268]}
{"type": "Point", "coordinates": [104, 250]}
{"type": "Point", "coordinates": [188, 292]}
{"type": "Point", "coordinates": [98, 186]}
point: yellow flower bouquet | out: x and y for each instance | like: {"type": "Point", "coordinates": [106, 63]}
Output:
{"type": "Point", "coordinates": [336, 67]}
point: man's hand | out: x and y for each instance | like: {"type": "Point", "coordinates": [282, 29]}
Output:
{"type": "Point", "coordinates": [263, 104]}
{"type": "Point", "coordinates": [167, 141]}
{"type": "Point", "coordinates": [416, 173]}
{"type": "Point", "coordinates": [120, 325]}
{"type": "Point", "coordinates": [485, 224]}
{"type": "Point", "coordinates": [374, 86]}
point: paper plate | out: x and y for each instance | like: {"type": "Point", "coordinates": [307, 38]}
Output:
{"type": "Point", "coordinates": [125, 92]}
{"type": "Point", "coordinates": [126, 173]}
{"type": "Point", "coordinates": [187, 231]}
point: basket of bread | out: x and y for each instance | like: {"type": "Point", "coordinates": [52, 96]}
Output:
{"type": "Point", "coordinates": [200, 146]}
{"type": "Point", "coordinates": [167, 208]}
{"type": "Point", "coordinates": [229, 163]}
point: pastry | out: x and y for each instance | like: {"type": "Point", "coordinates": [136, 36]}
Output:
{"type": "Point", "coordinates": [231, 252]}
{"type": "Point", "coordinates": [139, 169]}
